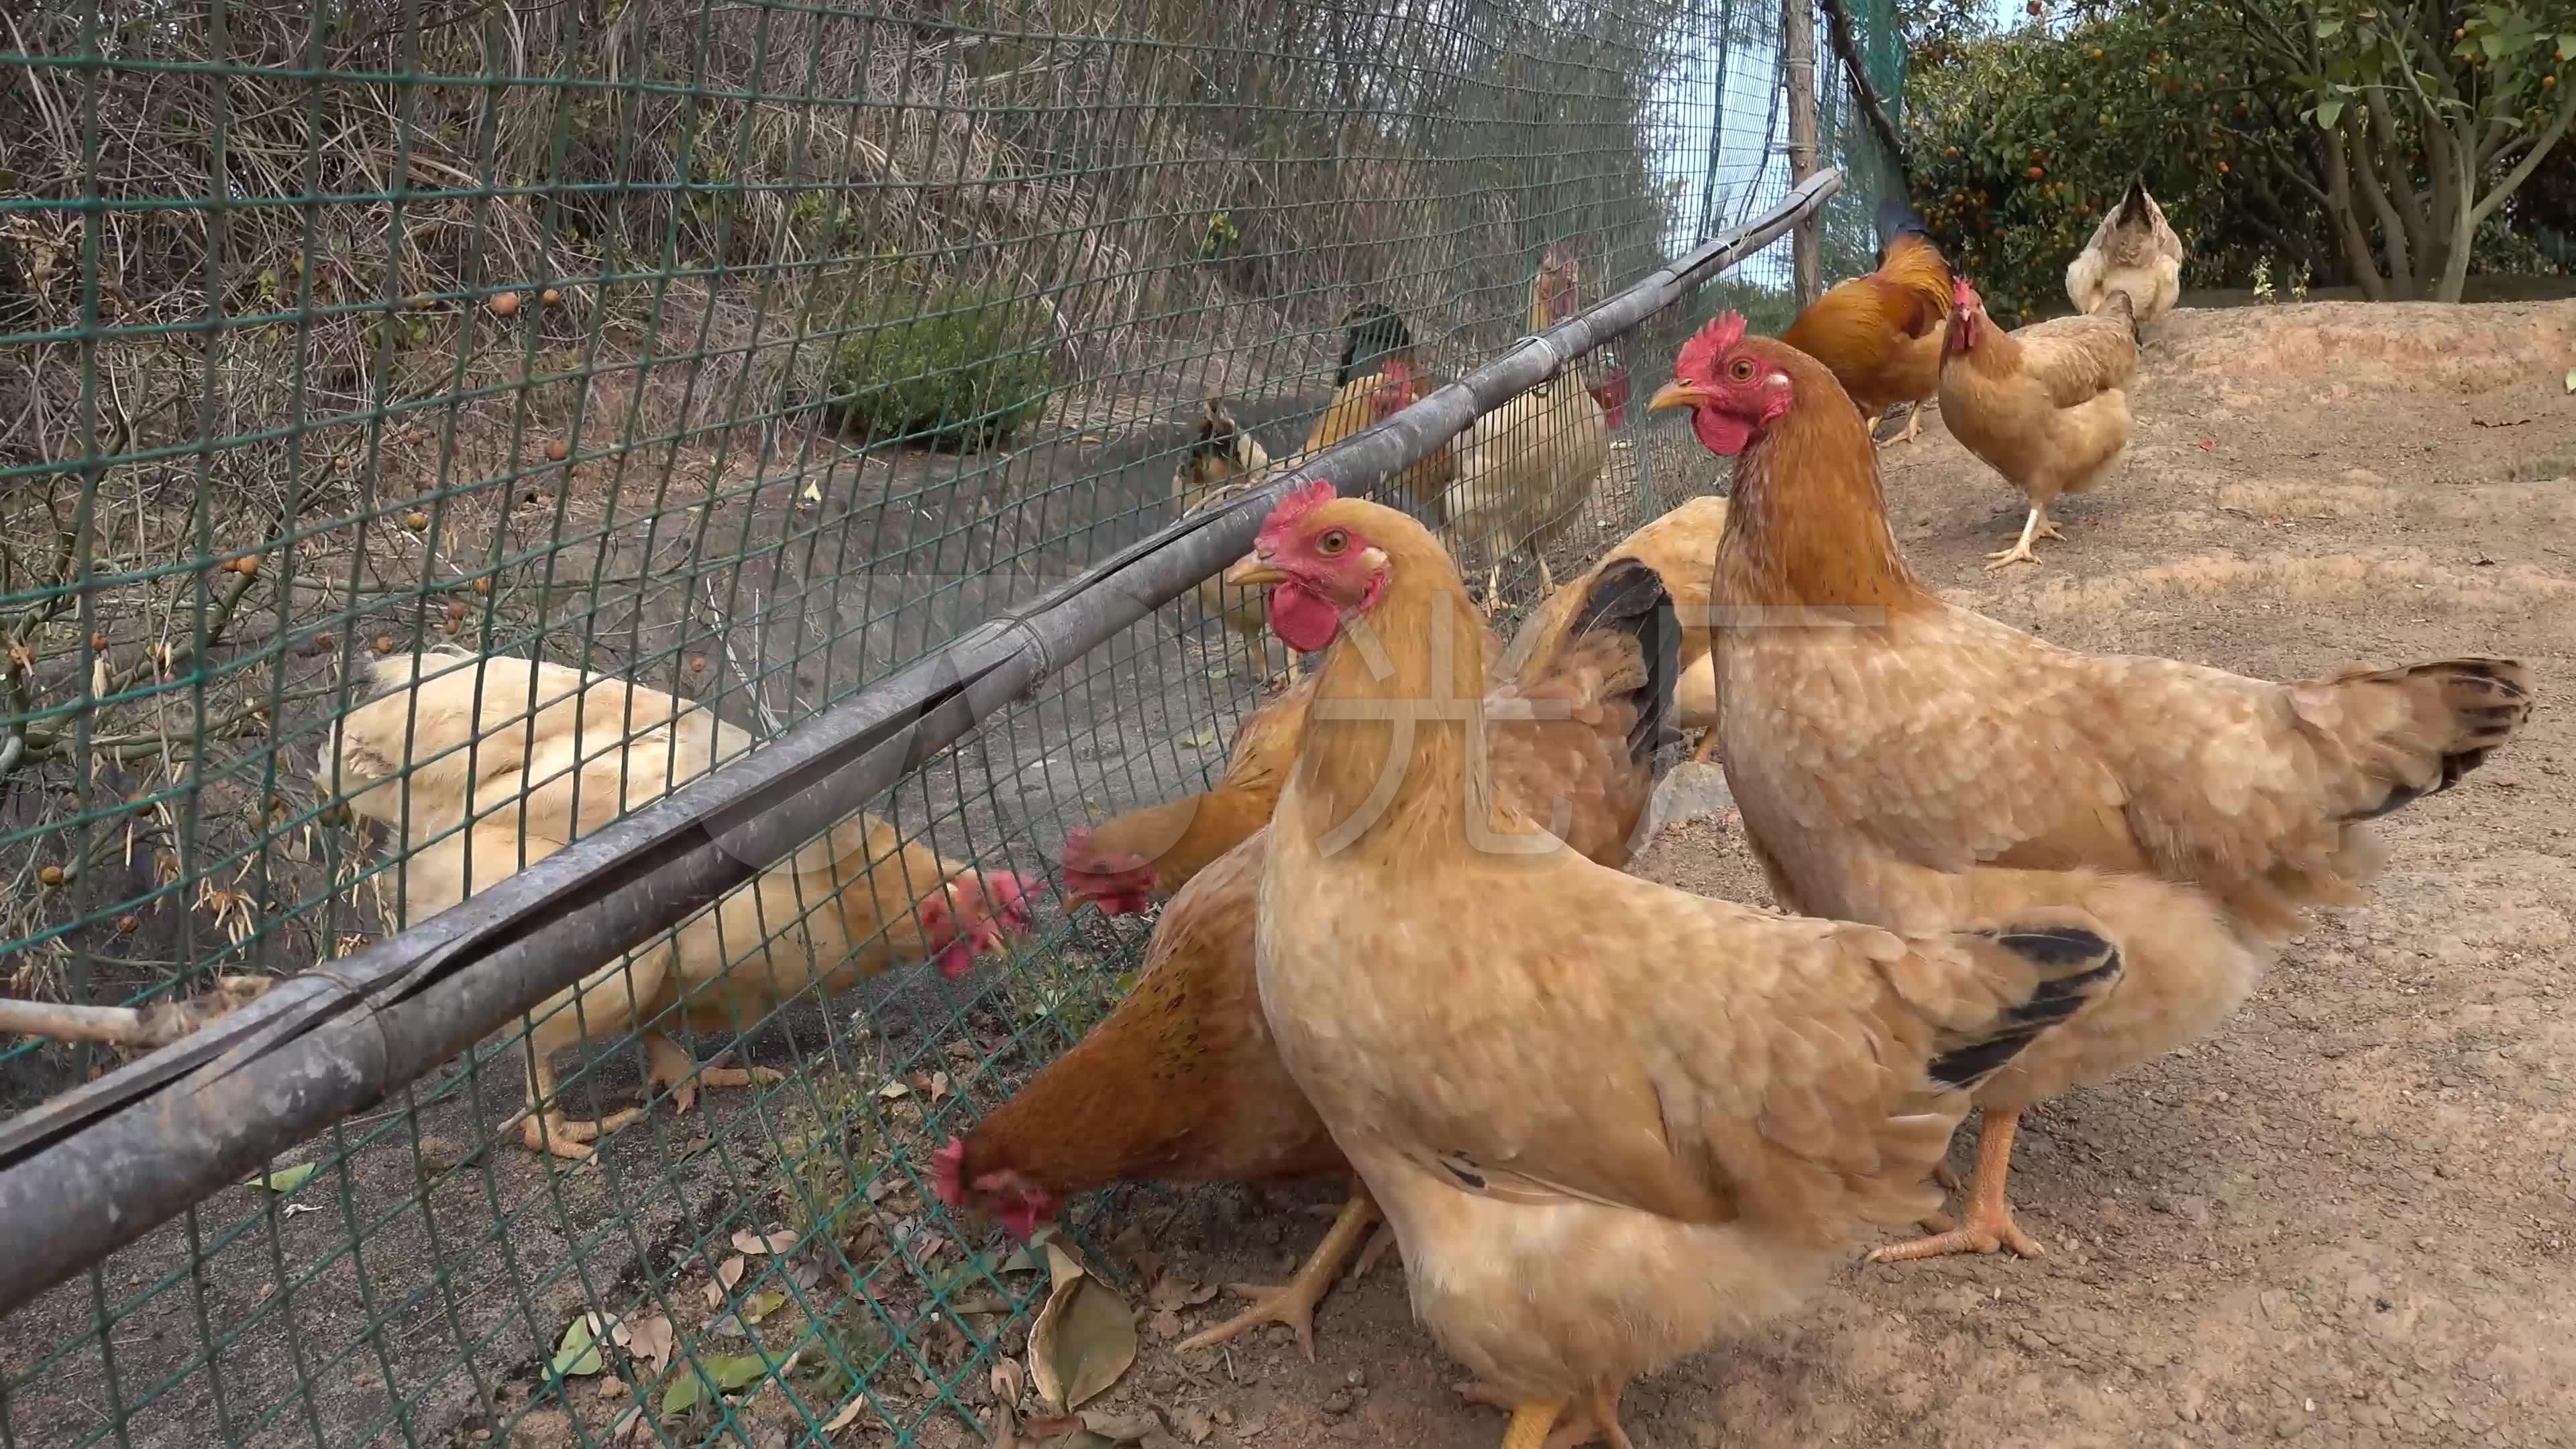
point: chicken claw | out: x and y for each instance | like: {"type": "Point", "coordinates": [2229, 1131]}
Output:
{"type": "Point", "coordinates": [1293, 1302]}
{"type": "Point", "coordinates": [1988, 1226]}
{"type": "Point", "coordinates": [1913, 427]}
{"type": "Point", "coordinates": [1596, 1423]}
{"type": "Point", "coordinates": [671, 1067]}
{"type": "Point", "coordinates": [2036, 526]}
{"type": "Point", "coordinates": [555, 1134]}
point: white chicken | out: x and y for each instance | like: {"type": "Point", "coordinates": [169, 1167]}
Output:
{"type": "Point", "coordinates": [2132, 251]}
{"type": "Point", "coordinates": [481, 770]}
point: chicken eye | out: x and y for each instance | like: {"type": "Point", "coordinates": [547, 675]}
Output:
{"type": "Point", "coordinates": [1333, 542]}
{"type": "Point", "coordinates": [1742, 371]}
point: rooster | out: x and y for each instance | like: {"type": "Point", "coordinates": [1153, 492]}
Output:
{"type": "Point", "coordinates": [2133, 252]}
{"type": "Point", "coordinates": [1526, 468]}
{"type": "Point", "coordinates": [1880, 335]}
{"type": "Point", "coordinates": [2043, 406]}
{"type": "Point", "coordinates": [483, 765]}
{"type": "Point", "coordinates": [1181, 1083]}
{"type": "Point", "coordinates": [1607, 1119]}
{"type": "Point", "coordinates": [1906, 762]}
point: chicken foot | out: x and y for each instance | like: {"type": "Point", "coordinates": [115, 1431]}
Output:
{"type": "Point", "coordinates": [2036, 526]}
{"type": "Point", "coordinates": [1988, 1226]}
{"type": "Point", "coordinates": [672, 1067]}
{"type": "Point", "coordinates": [1913, 424]}
{"type": "Point", "coordinates": [1293, 1302]}
{"type": "Point", "coordinates": [1596, 1423]}
{"type": "Point", "coordinates": [545, 1128]}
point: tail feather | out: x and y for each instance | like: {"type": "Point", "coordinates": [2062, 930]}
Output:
{"type": "Point", "coordinates": [1375, 333]}
{"type": "Point", "coordinates": [1628, 597]}
{"type": "Point", "coordinates": [2065, 965]}
{"type": "Point", "coordinates": [2133, 206]}
{"type": "Point", "coordinates": [1913, 262]}
{"type": "Point", "coordinates": [1895, 219]}
{"type": "Point", "coordinates": [2420, 728]}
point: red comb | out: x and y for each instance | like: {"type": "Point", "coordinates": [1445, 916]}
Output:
{"type": "Point", "coordinates": [1961, 294]}
{"type": "Point", "coordinates": [1301, 500]}
{"type": "Point", "coordinates": [948, 1172]}
{"type": "Point", "coordinates": [1699, 356]}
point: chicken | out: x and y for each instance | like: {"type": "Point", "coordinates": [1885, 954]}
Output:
{"type": "Point", "coordinates": [1181, 1083]}
{"type": "Point", "coordinates": [1880, 335]}
{"type": "Point", "coordinates": [1526, 468]}
{"type": "Point", "coordinates": [2133, 252]}
{"type": "Point", "coordinates": [1128, 862]}
{"type": "Point", "coordinates": [528, 756]}
{"type": "Point", "coordinates": [1916, 765]}
{"type": "Point", "coordinates": [1607, 1119]}
{"type": "Point", "coordinates": [2043, 405]}
{"type": "Point", "coordinates": [1678, 546]}
{"type": "Point", "coordinates": [1224, 461]}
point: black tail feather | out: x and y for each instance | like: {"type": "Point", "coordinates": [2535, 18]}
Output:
{"type": "Point", "coordinates": [1629, 597]}
{"type": "Point", "coordinates": [1376, 332]}
{"type": "Point", "coordinates": [1895, 219]}
{"type": "Point", "coordinates": [2075, 965]}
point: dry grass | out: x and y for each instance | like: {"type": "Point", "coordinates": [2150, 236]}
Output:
{"type": "Point", "coordinates": [509, 334]}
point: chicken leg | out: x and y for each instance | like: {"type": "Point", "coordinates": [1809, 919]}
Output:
{"type": "Point", "coordinates": [671, 1066]}
{"type": "Point", "coordinates": [1293, 1302]}
{"type": "Point", "coordinates": [543, 1125]}
{"type": "Point", "coordinates": [1913, 426]}
{"type": "Point", "coordinates": [1989, 1224]}
{"type": "Point", "coordinates": [1596, 1423]}
{"type": "Point", "coordinates": [2036, 526]}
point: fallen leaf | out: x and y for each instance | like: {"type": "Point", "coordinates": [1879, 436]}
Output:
{"type": "Point", "coordinates": [938, 1085]}
{"type": "Point", "coordinates": [577, 1352]}
{"type": "Point", "coordinates": [1008, 1379]}
{"type": "Point", "coordinates": [285, 1179]}
{"type": "Point", "coordinates": [725, 1372]}
{"type": "Point", "coordinates": [1084, 1338]}
{"type": "Point", "coordinates": [1166, 1323]}
{"type": "Point", "coordinates": [1148, 1265]}
{"type": "Point", "coordinates": [761, 1305]}
{"type": "Point", "coordinates": [300, 1207]}
{"type": "Point", "coordinates": [813, 493]}
{"type": "Point", "coordinates": [893, 1091]}
{"type": "Point", "coordinates": [1020, 1261]}
{"type": "Point", "coordinates": [1194, 1424]}
{"type": "Point", "coordinates": [728, 1273]}
{"type": "Point", "coordinates": [1178, 1293]}
{"type": "Point", "coordinates": [1200, 740]}
{"type": "Point", "coordinates": [650, 1338]}
{"type": "Point", "coordinates": [848, 1412]}
{"type": "Point", "coordinates": [747, 1241]}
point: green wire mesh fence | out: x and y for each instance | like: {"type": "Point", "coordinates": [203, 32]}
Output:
{"type": "Point", "coordinates": [747, 352]}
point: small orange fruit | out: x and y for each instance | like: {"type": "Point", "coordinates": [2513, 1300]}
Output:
{"type": "Point", "coordinates": [505, 304]}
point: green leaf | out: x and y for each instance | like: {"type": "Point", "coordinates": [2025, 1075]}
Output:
{"type": "Point", "coordinates": [2328, 113]}
{"type": "Point", "coordinates": [2493, 44]}
{"type": "Point", "coordinates": [681, 1396]}
{"type": "Point", "coordinates": [2329, 28]}
{"type": "Point", "coordinates": [736, 1370]}
{"type": "Point", "coordinates": [285, 1179]}
{"type": "Point", "coordinates": [577, 1353]}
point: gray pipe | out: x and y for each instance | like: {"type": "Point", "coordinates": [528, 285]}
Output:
{"type": "Point", "coordinates": [97, 1167]}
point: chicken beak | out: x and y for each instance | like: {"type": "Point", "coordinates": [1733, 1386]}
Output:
{"type": "Point", "coordinates": [1252, 572]}
{"type": "Point", "coordinates": [1676, 395]}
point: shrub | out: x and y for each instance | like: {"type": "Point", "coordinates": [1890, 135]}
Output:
{"type": "Point", "coordinates": [964, 367]}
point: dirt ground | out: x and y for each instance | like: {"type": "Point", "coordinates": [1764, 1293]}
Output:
{"type": "Point", "coordinates": [2341, 1219]}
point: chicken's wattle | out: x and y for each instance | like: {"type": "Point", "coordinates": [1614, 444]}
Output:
{"type": "Point", "coordinates": [1302, 620]}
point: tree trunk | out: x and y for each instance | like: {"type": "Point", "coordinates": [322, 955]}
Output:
{"type": "Point", "coordinates": [1798, 74]}
{"type": "Point", "coordinates": [2346, 220]}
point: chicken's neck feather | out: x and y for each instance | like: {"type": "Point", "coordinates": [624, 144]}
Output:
{"type": "Point", "coordinates": [1387, 770]}
{"type": "Point", "coordinates": [1807, 524]}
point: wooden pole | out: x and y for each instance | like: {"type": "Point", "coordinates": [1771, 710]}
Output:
{"type": "Point", "coordinates": [1798, 73]}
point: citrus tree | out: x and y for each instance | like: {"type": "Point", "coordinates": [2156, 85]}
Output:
{"type": "Point", "coordinates": [2430, 115]}
{"type": "Point", "coordinates": [2018, 141]}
